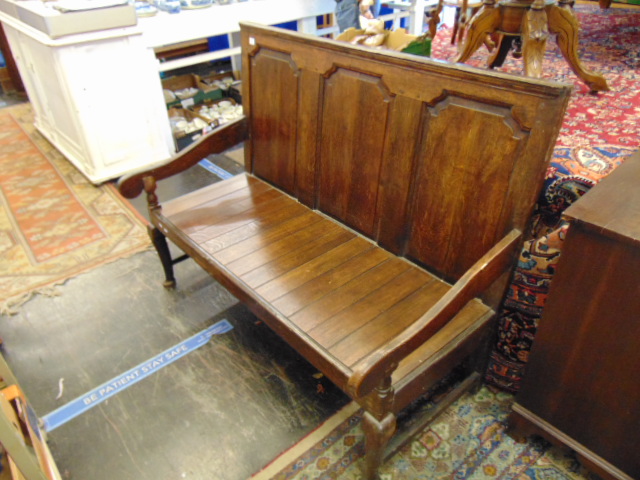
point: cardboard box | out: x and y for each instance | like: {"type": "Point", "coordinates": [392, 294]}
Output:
{"type": "Point", "coordinates": [183, 139]}
{"type": "Point", "coordinates": [206, 81]}
{"type": "Point", "coordinates": [180, 82]}
{"type": "Point", "coordinates": [197, 109]}
{"type": "Point", "coordinates": [398, 40]}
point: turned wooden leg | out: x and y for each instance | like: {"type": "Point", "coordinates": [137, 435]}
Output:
{"type": "Point", "coordinates": [564, 24]}
{"type": "Point", "coordinates": [534, 39]}
{"type": "Point", "coordinates": [379, 425]}
{"type": "Point", "coordinates": [377, 435]}
{"type": "Point", "coordinates": [486, 21]}
{"type": "Point", "coordinates": [160, 243]}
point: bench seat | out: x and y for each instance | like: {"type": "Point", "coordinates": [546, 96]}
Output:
{"type": "Point", "coordinates": [337, 291]}
{"type": "Point", "coordinates": [380, 216]}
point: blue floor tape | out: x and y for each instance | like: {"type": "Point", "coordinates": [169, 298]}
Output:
{"type": "Point", "coordinates": [215, 169]}
{"type": "Point", "coordinates": [85, 402]}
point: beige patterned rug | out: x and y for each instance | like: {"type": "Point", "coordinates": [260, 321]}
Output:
{"type": "Point", "coordinates": [54, 223]}
{"type": "Point", "coordinates": [468, 440]}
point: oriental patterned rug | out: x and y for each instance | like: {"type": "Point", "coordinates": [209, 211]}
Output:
{"type": "Point", "coordinates": [598, 132]}
{"type": "Point", "coordinates": [54, 223]}
{"type": "Point", "coordinates": [467, 441]}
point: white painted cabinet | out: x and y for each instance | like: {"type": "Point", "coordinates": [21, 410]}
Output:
{"type": "Point", "coordinates": [97, 99]}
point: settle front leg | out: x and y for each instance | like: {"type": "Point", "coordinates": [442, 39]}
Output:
{"type": "Point", "coordinates": [379, 425]}
{"type": "Point", "coordinates": [564, 24]}
{"type": "Point", "coordinates": [377, 435]}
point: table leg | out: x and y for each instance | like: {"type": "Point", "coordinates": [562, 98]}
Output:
{"type": "Point", "coordinates": [564, 24]}
{"type": "Point", "coordinates": [486, 21]}
{"type": "Point", "coordinates": [534, 39]}
{"type": "Point", "coordinates": [500, 55]}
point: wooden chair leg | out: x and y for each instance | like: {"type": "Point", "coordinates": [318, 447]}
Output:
{"type": "Point", "coordinates": [379, 425]}
{"type": "Point", "coordinates": [162, 247]}
{"type": "Point", "coordinates": [377, 435]}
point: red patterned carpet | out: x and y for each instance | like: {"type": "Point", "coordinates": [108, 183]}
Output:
{"type": "Point", "coordinates": [54, 223]}
{"type": "Point", "coordinates": [598, 132]}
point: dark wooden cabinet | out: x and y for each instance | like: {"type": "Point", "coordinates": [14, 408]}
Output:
{"type": "Point", "coordinates": [582, 387]}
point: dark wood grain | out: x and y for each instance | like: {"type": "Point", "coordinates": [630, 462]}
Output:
{"type": "Point", "coordinates": [362, 311]}
{"type": "Point", "coordinates": [352, 292]}
{"type": "Point", "coordinates": [276, 211]}
{"type": "Point", "coordinates": [298, 256]}
{"type": "Point", "coordinates": [275, 135]}
{"type": "Point", "coordinates": [252, 237]}
{"type": "Point", "coordinates": [331, 281]}
{"type": "Point", "coordinates": [354, 117]}
{"type": "Point", "coordinates": [312, 269]}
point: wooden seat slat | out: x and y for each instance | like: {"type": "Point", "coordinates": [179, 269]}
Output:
{"type": "Point", "coordinates": [257, 235]}
{"type": "Point", "coordinates": [195, 221]}
{"type": "Point", "coordinates": [201, 234]}
{"type": "Point", "coordinates": [258, 249]}
{"type": "Point", "coordinates": [350, 293]}
{"type": "Point", "coordinates": [308, 271]}
{"type": "Point", "coordinates": [279, 210]}
{"type": "Point", "coordinates": [254, 228]}
{"type": "Point", "coordinates": [193, 199]}
{"type": "Point", "coordinates": [231, 191]}
{"type": "Point", "coordinates": [353, 344]}
{"type": "Point", "coordinates": [296, 257]}
{"type": "Point", "coordinates": [330, 281]}
{"type": "Point", "coordinates": [275, 250]}
{"type": "Point", "coordinates": [369, 307]}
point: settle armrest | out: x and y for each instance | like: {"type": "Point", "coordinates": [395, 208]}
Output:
{"type": "Point", "coordinates": [369, 371]}
{"type": "Point", "coordinates": [218, 141]}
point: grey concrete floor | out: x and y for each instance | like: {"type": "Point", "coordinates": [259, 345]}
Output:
{"type": "Point", "coordinates": [221, 412]}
